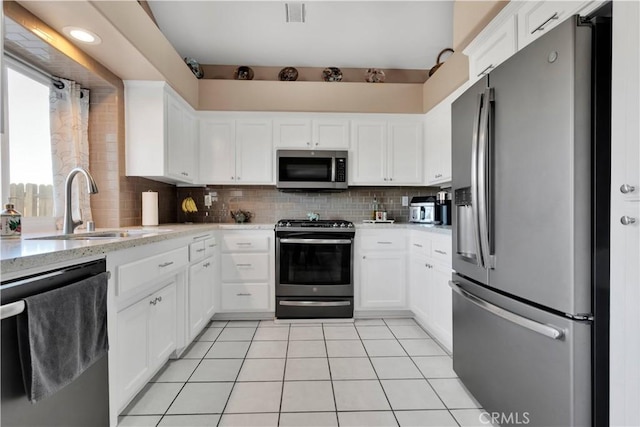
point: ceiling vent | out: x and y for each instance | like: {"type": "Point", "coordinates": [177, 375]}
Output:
{"type": "Point", "coordinates": [295, 12]}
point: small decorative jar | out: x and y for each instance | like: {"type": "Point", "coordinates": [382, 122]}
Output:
{"type": "Point", "coordinates": [10, 222]}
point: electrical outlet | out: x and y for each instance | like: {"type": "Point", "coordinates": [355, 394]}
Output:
{"type": "Point", "coordinates": [214, 196]}
{"type": "Point", "coordinates": [405, 200]}
{"type": "Point", "coordinates": [207, 200]}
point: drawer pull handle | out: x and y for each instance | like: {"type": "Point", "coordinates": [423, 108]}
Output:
{"type": "Point", "coordinates": [243, 295]}
{"type": "Point", "coordinates": [244, 243]}
{"type": "Point", "coordinates": [385, 243]}
{"type": "Point", "coordinates": [206, 265]}
{"type": "Point", "coordinates": [199, 250]}
{"type": "Point", "coordinates": [165, 264]}
{"type": "Point", "coordinates": [541, 26]}
{"type": "Point", "coordinates": [483, 72]}
{"type": "Point", "coordinates": [212, 246]}
{"type": "Point", "coordinates": [243, 265]}
{"type": "Point", "coordinates": [418, 245]}
{"type": "Point", "coordinates": [200, 237]}
{"type": "Point", "coordinates": [155, 301]}
{"type": "Point", "coordinates": [439, 252]}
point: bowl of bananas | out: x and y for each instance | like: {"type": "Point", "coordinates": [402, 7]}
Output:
{"type": "Point", "coordinates": [189, 206]}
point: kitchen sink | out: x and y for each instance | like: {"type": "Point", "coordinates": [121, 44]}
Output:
{"type": "Point", "coordinates": [102, 235]}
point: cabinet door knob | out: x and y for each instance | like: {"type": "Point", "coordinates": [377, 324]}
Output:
{"type": "Point", "coordinates": [627, 220]}
{"type": "Point", "coordinates": [626, 188]}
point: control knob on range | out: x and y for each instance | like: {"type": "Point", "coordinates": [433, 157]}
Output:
{"type": "Point", "coordinates": [343, 225]}
{"type": "Point", "coordinates": [350, 225]}
{"type": "Point", "coordinates": [288, 224]}
{"type": "Point", "coordinates": [335, 224]}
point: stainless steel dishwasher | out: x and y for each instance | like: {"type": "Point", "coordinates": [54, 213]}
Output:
{"type": "Point", "coordinates": [84, 402]}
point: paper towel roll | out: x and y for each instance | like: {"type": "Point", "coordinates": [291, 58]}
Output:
{"type": "Point", "coordinates": [149, 208]}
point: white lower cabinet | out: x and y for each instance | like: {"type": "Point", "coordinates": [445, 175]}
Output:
{"type": "Point", "coordinates": [382, 269]}
{"type": "Point", "coordinates": [247, 278]}
{"type": "Point", "coordinates": [429, 292]}
{"type": "Point", "coordinates": [146, 337]}
{"type": "Point", "coordinates": [202, 279]}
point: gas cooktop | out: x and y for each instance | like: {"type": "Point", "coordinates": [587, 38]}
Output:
{"type": "Point", "coordinates": [304, 223]}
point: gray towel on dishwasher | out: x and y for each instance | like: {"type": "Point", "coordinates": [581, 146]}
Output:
{"type": "Point", "coordinates": [61, 333]}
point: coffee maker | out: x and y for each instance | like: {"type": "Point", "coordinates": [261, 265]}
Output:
{"type": "Point", "coordinates": [443, 208]}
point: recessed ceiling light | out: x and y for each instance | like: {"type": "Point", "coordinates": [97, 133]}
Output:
{"type": "Point", "coordinates": [82, 35]}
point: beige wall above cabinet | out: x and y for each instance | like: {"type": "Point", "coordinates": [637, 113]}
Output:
{"type": "Point", "coordinates": [317, 134]}
{"type": "Point", "coordinates": [161, 133]}
{"type": "Point", "coordinates": [235, 151]}
{"type": "Point", "coordinates": [386, 152]}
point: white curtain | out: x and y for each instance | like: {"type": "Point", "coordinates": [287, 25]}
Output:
{"type": "Point", "coordinates": [69, 115]}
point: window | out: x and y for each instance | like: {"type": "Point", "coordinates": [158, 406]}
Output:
{"type": "Point", "coordinates": [29, 142]}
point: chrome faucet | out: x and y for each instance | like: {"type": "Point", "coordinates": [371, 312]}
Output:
{"type": "Point", "coordinates": [69, 223]}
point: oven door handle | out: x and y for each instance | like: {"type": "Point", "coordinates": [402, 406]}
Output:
{"type": "Point", "coordinates": [315, 303]}
{"type": "Point", "coordinates": [318, 241]}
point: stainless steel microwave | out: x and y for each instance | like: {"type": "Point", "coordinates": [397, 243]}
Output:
{"type": "Point", "coordinates": [312, 170]}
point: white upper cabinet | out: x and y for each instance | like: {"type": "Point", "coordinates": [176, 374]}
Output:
{"type": "Point", "coordinates": [537, 18]}
{"type": "Point", "coordinates": [487, 53]}
{"type": "Point", "coordinates": [386, 152]}
{"type": "Point", "coordinates": [161, 133]}
{"type": "Point", "coordinates": [217, 151]}
{"type": "Point", "coordinates": [437, 128]}
{"type": "Point", "coordinates": [405, 150]}
{"type": "Point", "coordinates": [368, 152]}
{"type": "Point", "coordinates": [235, 151]}
{"type": "Point", "coordinates": [317, 134]}
{"type": "Point", "coordinates": [518, 24]}
{"type": "Point", "coordinates": [254, 152]}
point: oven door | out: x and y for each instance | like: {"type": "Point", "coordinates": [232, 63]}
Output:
{"type": "Point", "coordinates": [315, 264]}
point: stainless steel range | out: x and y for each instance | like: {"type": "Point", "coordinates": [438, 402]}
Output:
{"type": "Point", "coordinates": [314, 269]}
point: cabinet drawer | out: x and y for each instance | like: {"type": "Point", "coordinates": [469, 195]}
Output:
{"type": "Point", "coordinates": [244, 297]}
{"type": "Point", "coordinates": [135, 274]}
{"type": "Point", "coordinates": [420, 243]}
{"type": "Point", "coordinates": [245, 267]}
{"type": "Point", "coordinates": [209, 246]}
{"type": "Point", "coordinates": [196, 251]}
{"type": "Point", "coordinates": [390, 241]}
{"type": "Point", "coordinates": [441, 249]}
{"type": "Point", "coordinates": [238, 243]}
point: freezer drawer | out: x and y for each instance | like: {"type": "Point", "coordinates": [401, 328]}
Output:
{"type": "Point", "coordinates": [521, 362]}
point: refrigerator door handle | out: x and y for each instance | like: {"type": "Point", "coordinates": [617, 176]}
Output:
{"type": "Point", "coordinates": [474, 181]}
{"type": "Point", "coordinates": [482, 179]}
{"type": "Point", "coordinates": [532, 325]}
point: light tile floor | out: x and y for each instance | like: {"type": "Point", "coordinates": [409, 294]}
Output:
{"type": "Point", "coordinates": [372, 372]}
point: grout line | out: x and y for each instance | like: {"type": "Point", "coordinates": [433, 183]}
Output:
{"type": "Point", "coordinates": [333, 391]}
{"type": "Point", "coordinates": [237, 375]}
{"type": "Point", "coordinates": [378, 377]}
{"type": "Point", "coordinates": [284, 373]}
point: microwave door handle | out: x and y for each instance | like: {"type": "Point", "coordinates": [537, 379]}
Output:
{"type": "Point", "coordinates": [333, 169]}
{"type": "Point", "coordinates": [483, 178]}
{"type": "Point", "coordinates": [474, 180]}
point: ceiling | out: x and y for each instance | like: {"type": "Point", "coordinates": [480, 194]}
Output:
{"type": "Point", "coordinates": [349, 34]}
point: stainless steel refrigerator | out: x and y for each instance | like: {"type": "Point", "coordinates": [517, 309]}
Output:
{"type": "Point", "coordinates": [530, 231]}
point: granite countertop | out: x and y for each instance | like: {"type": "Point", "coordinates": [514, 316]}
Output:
{"type": "Point", "coordinates": [27, 252]}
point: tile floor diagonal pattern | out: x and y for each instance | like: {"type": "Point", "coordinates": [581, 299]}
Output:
{"type": "Point", "coordinates": [370, 372]}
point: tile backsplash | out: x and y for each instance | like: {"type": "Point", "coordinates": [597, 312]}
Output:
{"type": "Point", "coordinates": [267, 204]}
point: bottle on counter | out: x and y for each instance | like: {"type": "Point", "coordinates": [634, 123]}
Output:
{"type": "Point", "coordinates": [10, 222]}
{"type": "Point", "coordinates": [375, 208]}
